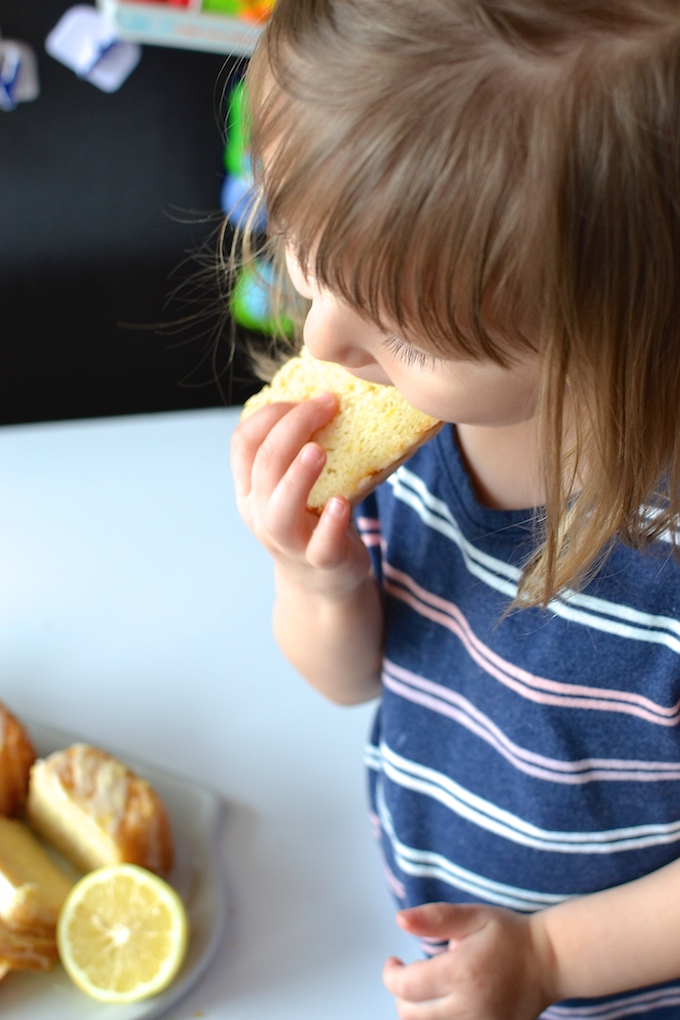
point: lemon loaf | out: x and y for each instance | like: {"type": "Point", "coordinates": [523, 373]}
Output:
{"type": "Point", "coordinates": [32, 887]}
{"type": "Point", "coordinates": [17, 754]}
{"type": "Point", "coordinates": [374, 431]}
{"type": "Point", "coordinates": [96, 811]}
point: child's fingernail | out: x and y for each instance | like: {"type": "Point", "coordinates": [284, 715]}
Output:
{"type": "Point", "coordinates": [405, 917]}
{"type": "Point", "coordinates": [335, 507]}
{"type": "Point", "coordinates": [311, 455]}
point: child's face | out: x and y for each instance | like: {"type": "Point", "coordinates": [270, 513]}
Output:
{"type": "Point", "coordinates": [462, 391]}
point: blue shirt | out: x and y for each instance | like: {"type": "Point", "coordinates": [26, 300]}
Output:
{"type": "Point", "coordinates": [518, 759]}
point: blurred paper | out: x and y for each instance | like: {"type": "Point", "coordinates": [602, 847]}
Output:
{"type": "Point", "coordinates": [18, 74]}
{"type": "Point", "coordinates": [85, 42]}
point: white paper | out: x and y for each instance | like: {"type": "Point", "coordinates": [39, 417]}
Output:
{"type": "Point", "coordinates": [18, 74]}
{"type": "Point", "coordinates": [85, 42]}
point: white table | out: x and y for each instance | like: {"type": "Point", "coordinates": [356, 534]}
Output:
{"type": "Point", "coordinates": [135, 611]}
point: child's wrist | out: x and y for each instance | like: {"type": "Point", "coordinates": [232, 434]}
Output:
{"type": "Point", "coordinates": [333, 587]}
{"type": "Point", "coordinates": [546, 959]}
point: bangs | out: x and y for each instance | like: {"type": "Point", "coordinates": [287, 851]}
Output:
{"type": "Point", "coordinates": [408, 189]}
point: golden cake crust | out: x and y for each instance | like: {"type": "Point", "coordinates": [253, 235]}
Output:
{"type": "Point", "coordinates": [17, 755]}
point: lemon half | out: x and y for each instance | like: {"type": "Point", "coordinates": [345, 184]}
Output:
{"type": "Point", "coordinates": [122, 933]}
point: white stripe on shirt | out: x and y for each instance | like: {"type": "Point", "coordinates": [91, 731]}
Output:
{"type": "Point", "coordinates": [589, 610]}
{"type": "Point", "coordinates": [431, 783]}
{"type": "Point", "coordinates": [426, 863]}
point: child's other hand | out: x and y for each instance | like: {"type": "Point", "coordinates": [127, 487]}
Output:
{"type": "Point", "coordinates": [495, 968]}
{"type": "Point", "coordinates": [275, 466]}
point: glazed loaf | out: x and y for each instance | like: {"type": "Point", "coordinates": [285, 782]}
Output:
{"type": "Point", "coordinates": [17, 755]}
{"type": "Point", "coordinates": [96, 811]}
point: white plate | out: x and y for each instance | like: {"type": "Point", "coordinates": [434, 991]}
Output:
{"type": "Point", "coordinates": [196, 819]}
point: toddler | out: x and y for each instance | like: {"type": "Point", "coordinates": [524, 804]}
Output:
{"type": "Point", "coordinates": [479, 201]}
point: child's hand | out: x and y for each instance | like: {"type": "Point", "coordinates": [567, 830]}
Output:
{"type": "Point", "coordinates": [495, 968]}
{"type": "Point", "coordinates": [275, 466]}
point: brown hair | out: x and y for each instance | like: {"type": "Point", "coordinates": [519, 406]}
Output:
{"type": "Point", "coordinates": [446, 164]}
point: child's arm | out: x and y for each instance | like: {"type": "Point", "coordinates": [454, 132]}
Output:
{"type": "Point", "coordinates": [328, 611]}
{"type": "Point", "coordinates": [503, 965]}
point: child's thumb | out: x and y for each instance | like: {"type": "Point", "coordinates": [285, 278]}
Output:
{"type": "Point", "coordinates": [441, 921]}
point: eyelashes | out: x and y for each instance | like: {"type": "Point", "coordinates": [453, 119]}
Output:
{"type": "Point", "coordinates": [409, 355]}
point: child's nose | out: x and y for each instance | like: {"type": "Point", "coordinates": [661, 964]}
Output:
{"type": "Point", "coordinates": [326, 347]}
{"type": "Point", "coordinates": [332, 334]}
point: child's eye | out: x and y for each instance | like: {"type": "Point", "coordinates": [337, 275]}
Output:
{"type": "Point", "coordinates": [410, 355]}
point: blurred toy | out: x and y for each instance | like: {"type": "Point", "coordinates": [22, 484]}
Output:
{"type": "Point", "coordinates": [250, 302]}
{"type": "Point", "coordinates": [250, 305]}
{"type": "Point", "coordinates": [244, 10]}
{"type": "Point", "coordinates": [238, 194]}
{"type": "Point", "coordinates": [84, 41]}
{"type": "Point", "coordinates": [18, 74]}
{"type": "Point", "coordinates": [247, 10]}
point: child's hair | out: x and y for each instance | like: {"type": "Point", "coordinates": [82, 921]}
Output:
{"type": "Point", "coordinates": [462, 167]}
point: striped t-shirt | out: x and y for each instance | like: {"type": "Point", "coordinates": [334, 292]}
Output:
{"type": "Point", "coordinates": [525, 759]}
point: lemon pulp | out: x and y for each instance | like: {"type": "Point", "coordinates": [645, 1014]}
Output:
{"type": "Point", "coordinates": [122, 933]}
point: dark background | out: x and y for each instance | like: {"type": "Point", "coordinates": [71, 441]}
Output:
{"type": "Point", "coordinates": [106, 201]}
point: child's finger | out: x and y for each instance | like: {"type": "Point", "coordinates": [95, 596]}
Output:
{"type": "Point", "coordinates": [287, 506]}
{"type": "Point", "coordinates": [247, 440]}
{"type": "Point", "coordinates": [422, 981]}
{"type": "Point", "coordinates": [283, 443]}
{"type": "Point", "coordinates": [328, 544]}
{"type": "Point", "coordinates": [442, 921]}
